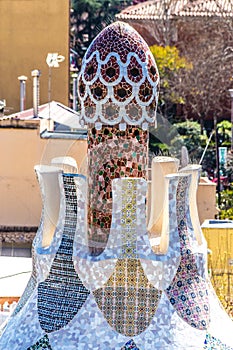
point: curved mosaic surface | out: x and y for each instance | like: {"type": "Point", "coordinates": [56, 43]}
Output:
{"type": "Point", "coordinates": [161, 275]}
{"type": "Point", "coordinates": [62, 294]}
{"type": "Point", "coordinates": [23, 330]}
{"type": "Point", "coordinates": [188, 291]}
{"type": "Point", "coordinates": [126, 310]}
{"type": "Point", "coordinates": [40, 263]}
{"type": "Point", "coordinates": [118, 80]}
{"type": "Point", "coordinates": [159, 269]}
{"type": "Point", "coordinates": [128, 301]}
{"type": "Point", "coordinates": [221, 325]}
{"type": "Point", "coordinates": [45, 255]}
{"type": "Point", "coordinates": [31, 285]}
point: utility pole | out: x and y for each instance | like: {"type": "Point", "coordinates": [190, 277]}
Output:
{"type": "Point", "coordinates": [217, 161]}
{"type": "Point", "coordinates": [231, 93]}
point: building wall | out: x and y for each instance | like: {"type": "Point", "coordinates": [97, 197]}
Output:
{"type": "Point", "coordinates": [29, 30]}
{"type": "Point", "coordinates": [206, 200]}
{"type": "Point", "coordinates": [21, 150]}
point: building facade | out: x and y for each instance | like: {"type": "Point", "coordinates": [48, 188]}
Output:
{"type": "Point", "coordinates": [29, 30]}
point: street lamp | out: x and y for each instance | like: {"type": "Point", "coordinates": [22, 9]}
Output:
{"type": "Point", "coordinates": [231, 93]}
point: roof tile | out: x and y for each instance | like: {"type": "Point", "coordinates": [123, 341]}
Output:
{"type": "Point", "coordinates": [156, 9]}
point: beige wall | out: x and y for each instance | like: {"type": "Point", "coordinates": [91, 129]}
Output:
{"type": "Point", "coordinates": [20, 151]}
{"type": "Point", "coordinates": [29, 30]}
{"type": "Point", "coordinates": [206, 200]}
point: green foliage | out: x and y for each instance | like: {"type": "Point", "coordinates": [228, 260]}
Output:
{"type": "Point", "coordinates": [224, 131]}
{"type": "Point", "coordinates": [226, 214]}
{"type": "Point", "coordinates": [226, 209]}
{"type": "Point", "coordinates": [189, 135]}
{"type": "Point", "coordinates": [225, 124]}
{"type": "Point", "coordinates": [169, 138]}
{"type": "Point", "coordinates": [227, 199]}
{"type": "Point", "coordinates": [158, 148]}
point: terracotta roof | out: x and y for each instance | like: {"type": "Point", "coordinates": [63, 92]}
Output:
{"type": "Point", "coordinates": [157, 9]}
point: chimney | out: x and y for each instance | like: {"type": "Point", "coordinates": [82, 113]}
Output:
{"type": "Point", "coordinates": [75, 87]}
{"type": "Point", "coordinates": [36, 92]}
{"type": "Point", "coordinates": [22, 80]}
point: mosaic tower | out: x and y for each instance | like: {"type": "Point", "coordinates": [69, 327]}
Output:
{"type": "Point", "coordinates": [118, 91]}
{"type": "Point", "coordinates": [104, 279]}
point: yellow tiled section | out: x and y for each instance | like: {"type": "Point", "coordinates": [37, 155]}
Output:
{"type": "Point", "coordinates": [220, 263]}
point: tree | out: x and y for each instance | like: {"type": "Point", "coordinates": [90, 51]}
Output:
{"type": "Point", "coordinates": [88, 18]}
{"type": "Point", "coordinates": [171, 66]}
{"type": "Point", "coordinates": [203, 33]}
{"type": "Point", "coordinates": [209, 46]}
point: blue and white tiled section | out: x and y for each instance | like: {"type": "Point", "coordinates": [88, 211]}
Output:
{"type": "Point", "coordinates": [62, 294]}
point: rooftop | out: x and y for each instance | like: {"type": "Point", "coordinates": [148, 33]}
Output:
{"type": "Point", "coordinates": [65, 121]}
{"type": "Point", "coordinates": [157, 9]}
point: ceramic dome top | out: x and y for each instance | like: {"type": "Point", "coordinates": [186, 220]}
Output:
{"type": "Point", "coordinates": [118, 81]}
